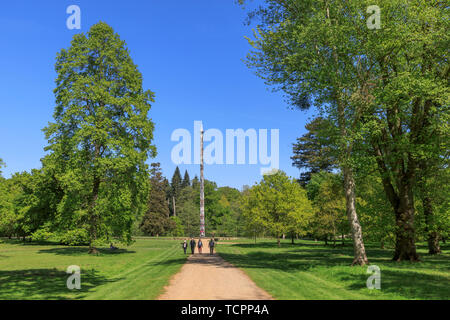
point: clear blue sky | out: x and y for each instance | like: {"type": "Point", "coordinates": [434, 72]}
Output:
{"type": "Point", "coordinates": [189, 52]}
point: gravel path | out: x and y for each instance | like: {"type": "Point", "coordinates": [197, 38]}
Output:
{"type": "Point", "coordinates": [206, 277]}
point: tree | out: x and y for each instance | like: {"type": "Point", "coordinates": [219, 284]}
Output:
{"type": "Point", "coordinates": [408, 102]}
{"type": "Point", "coordinates": [186, 180]}
{"type": "Point", "coordinates": [231, 223]}
{"type": "Point", "coordinates": [277, 204]}
{"type": "Point", "coordinates": [188, 211]}
{"type": "Point", "coordinates": [176, 183]}
{"type": "Point", "coordinates": [156, 220]}
{"type": "Point", "coordinates": [175, 189]}
{"type": "Point", "coordinates": [314, 151]}
{"type": "Point", "coordinates": [8, 217]}
{"type": "Point", "coordinates": [302, 48]}
{"type": "Point", "coordinates": [377, 218]}
{"type": "Point", "coordinates": [434, 193]}
{"type": "Point", "coordinates": [101, 136]}
{"type": "Point", "coordinates": [2, 164]}
{"type": "Point", "coordinates": [326, 192]}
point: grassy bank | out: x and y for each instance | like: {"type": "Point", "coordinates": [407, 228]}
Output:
{"type": "Point", "coordinates": [310, 270]}
{"type": "Point", "coordinates": [37, 271]}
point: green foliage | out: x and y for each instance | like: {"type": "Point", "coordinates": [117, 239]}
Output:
{"type": "Point", "coordinates": [186, 180]}
{"type": "Point", "coordinates": [77, 237]}
{"type": "Point", "coordinates": [375, 212]}
{"type": "Point", "coordinates": [387, 94]}
{"type": "Point", "coordinates": [326, 191]}
{"type": "Point", "coordinates": [189, 211]}
{"type": "Point", "coordinates": [156, 220]}
{"type": "Point", "coordinates": [277, 204]}
{"type": "Point", "coordinates": [178, 230]}
{"type": "Point", "coordinates": [314, 150]}
{"type": "Point", "coordinates": [101, 136]}
{"type": "Point", "coordinates": [42, 235]}
{"type": "Point", "coordinates": [2, 164]}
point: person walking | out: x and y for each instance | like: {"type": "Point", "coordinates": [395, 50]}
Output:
{"type": "Point", "coordinates": [211, 246]}
{"type": "Point", "coordinates": [185, 245]}
{"type": "Point", "coordinates": [192, 245]}
{"type": "Point", "coordinates": [200, 246]}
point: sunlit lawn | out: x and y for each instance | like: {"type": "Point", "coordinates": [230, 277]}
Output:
{"type": "Point", "coordinates": [310, 270]}
{"type": "Point", "coordinates": [37, 271]}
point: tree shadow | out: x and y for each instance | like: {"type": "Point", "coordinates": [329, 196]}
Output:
{"type": "Point", "coordinates": [78, 251]}
{"type": "Point", "coordinates": [48, 284]}
{"type": "Point", "coordinates": [407, 283]}
{"type": "Point", "coordinates": [303, 256]}
{"type": "Point", "coordinates": [407, 279]}
{"type": "Point", "coordinates": [167, 262]}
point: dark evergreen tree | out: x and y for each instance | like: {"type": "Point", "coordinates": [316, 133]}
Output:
{"type": "Point", "coordinates": [314, 150]}
{"type": "Point", "coordinates": [156, 221]}
{"type": "Point", "coordinates": [176, 183]}
{"type": "Point", "coordinates": [186, 180]}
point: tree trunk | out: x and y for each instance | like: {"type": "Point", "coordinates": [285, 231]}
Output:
{"type": "Point", "coordinates": [405, 247]}
{"type": "Point", "coordinates": [360, 257]}
{"type": "Point", "coordinates": [292, 238]}
{"type": "Point", "coordinates": [278, 241]}
{"type": "Point", "coordinates": [358, 243]}
{"type": "Point", "coordinates": [433, 236]}
{"type": "Point", "coordinates": [93, 216]}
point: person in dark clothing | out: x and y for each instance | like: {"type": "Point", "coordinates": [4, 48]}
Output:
{"type": "Point", "coordinates": [211, 246]}
{"type": "Point", "coordinates": [185, 245]}
{"type": "Point", "coordinates": [200, 246]}
{"type": "Point", "coordinates": [192, 245]}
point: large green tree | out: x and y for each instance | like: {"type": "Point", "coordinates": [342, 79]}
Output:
{"type": "Point", "coordinates": [101, 136]}
{"type": "Point", "coordinates": [279, 205]}
{"type": "Point", "coordinates": [407, 92]}
{"type": "Point", "coordinates": [302, 48]}
{"type": "Point", "coordinates": [386, 87]}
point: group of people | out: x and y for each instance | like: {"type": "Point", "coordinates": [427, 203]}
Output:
{"type": "Point", "coordinates": [199, 245]}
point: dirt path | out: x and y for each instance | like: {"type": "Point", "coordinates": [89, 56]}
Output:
{"type": "Point", "coordinates": [206, 277]}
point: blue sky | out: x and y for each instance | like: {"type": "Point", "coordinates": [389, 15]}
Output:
{"type": "Point", "coordinates": [190, 54]}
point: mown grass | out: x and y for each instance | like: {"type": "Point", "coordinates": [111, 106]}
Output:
{"type": "Point", "coordinates": [310, 270]}
{"type": "Point", "coordinates": [38, 271]}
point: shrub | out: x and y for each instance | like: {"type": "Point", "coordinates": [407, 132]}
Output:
{"type": "Point", "coordinates": [77, 237]}
{"type": "Point", "coordinates": [42, 235]}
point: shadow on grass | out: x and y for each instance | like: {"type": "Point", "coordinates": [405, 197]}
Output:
{"type": "Point", "coordinates": [77, 251]}
{"type": "Point", "coordinates": [409, 280]}
{"type": "Point", "coordinates": [406, 283]}
{"type": "Point", "coordinates": [167, 262]}
{"type": "Point", "coordinates": [47, 284]}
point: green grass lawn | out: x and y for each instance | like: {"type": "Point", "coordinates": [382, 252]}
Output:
{"type": "Point", "coordinates": [310, 270]}
{"type": "Point", "coordinates": [37, 271]}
